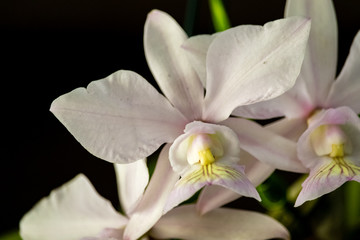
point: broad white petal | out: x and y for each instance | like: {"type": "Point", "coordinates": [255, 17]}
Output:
{"type": "Point", "coordinates": [345, 91]}
{"type": "Point", "coordinates": [151, 206]}
{"type": "Point", "coordinates": [249, 64]}
{"type": "Point", "coordinates": [132, 179]}
{"type": "Point", "coordinates": [196, 50]}
{"type": "Point", "coordinates": [108, 234]}
{"type": "Point", "coordinates": [72, 211]}
{"type": "Point", "coordinates": [289, 128]}
{"type": "Point", "coordinates": [266, 146]}
{"type": "Point", "coordinates": [168, 63]}
{"type": "Point", "coordinates": [120, 119]}
{"type": "Point", "coordinates": [319, 67]}
{"type": "Point", "coordinates": [222, 223]}
{"type": "Point", "coordinates": [284, 105]}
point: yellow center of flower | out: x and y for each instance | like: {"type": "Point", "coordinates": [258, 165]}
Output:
{"type": "Point", "coordinates": [204, 149]}
{"type": "Point", "coordinates": [206, 157]}
{"type": "Point", "coordinates": [337, 154]}
{"type": "Point", "coordinates": [337, 151]}
{"type": "Point", "coordinates": [331, 141]}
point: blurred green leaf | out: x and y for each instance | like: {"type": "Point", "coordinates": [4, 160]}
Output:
{"type": "Point", "coordinates": [13, 235]}
{"type": "Point", "coordinates": [219, 16]}
{"type": "Point", "coordinates": [295, 188]}
{"type": "Point", "coordinates": [352, 206]}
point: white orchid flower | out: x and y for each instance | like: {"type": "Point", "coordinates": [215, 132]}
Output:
{"type": "Point", "coordinates": [75, 211]}
{"type": "Point", "coordinates": [329, 148]}
{"type": "Point", "coordinates": [316, 89]}
{"type": "Point", "coordinates": [78, 211]}
{"type": "Point", "coordinates": [123, 118]}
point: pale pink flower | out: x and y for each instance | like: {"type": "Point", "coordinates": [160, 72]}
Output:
{"type": "Point", "coordinates": [330, 149]}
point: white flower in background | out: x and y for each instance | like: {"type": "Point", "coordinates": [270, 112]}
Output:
{"type": "Point", "coordinates": [75, 211]}
{"type": "Point", "coordinates": [317, 89]}
{"type": "Point", "coordinates": [330, 149]}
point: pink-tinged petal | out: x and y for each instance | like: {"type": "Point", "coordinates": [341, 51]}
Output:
{"type": "Point", "coordinates": [223, 223]}
{"type": "Point", "coordinates": [234, 178]}
{"type": "Point", "coordinates": [132, 179]}
{"type": "Point", "coordinates": [168, 63]}
{"type": "Point", "coordinates": [196, 50]}
{"type": "Point", "coordinates": [151, 206]}
{"type": "Point", "coordinates": [345, 90]}
{"type": "Point", "coordinates": [249, 64]}
{"type": "Point", "coordinates": [186, 187]}
{"type": "Point", "coordinates": [350, 124]}
{"type": "Point", "coordinates": [325, 177]}
{"type": "Point", "coordinates": [120, 119]}
{"type": "Point", "coordinates": [231, 177]}
{"type": "Point", "coordinates": [266, 146]}
{"type": "Point", "coordinates": [108, 234]}
{"type": "Point", "coordinates": [284, 105]}
{"type": "Point", "coordinates": [72, 211]}
{"type": "Point", "coordinates": [213, 196]}
{"type": "Point", "coordinates": [319, 67]}
{"type": "Point", "coordinates": [289, 128]}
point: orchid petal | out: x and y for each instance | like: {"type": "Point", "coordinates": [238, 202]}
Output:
{"type": "Point", "coordinates": [289, 128]}
{"type": "Point", "coordinates": [284, 105]}
{"type": "Point", "coordinates": [213, 196]}
{"type": "Point", "coordinates": [168, 63]}
{"type": "Point", "coordinates": [236, 180]}
{"type": "Point", "coordinates": [120, 119]}
{"type": "Point", "coordinates": [132, 180]}
{"type": "Point", "coordinates": [319, 67]}
{"type": "Point", "coordinates": [265, 145]}
{"type": "Point", "coordinates": [108, 234]}
{"type": "Point", "coordinates": [186, 187]}
{"type": "Point", "coordinates": [345, 90]}
{"type": "Point", "coordinates": [151, 206]}
{"type": "Point", "coordinates": [325, 177]}
{"type": "Point", "coordinates": [231, 177]}
{"type": "Point", "coordinates": [196, 49]}
{"type": "Point", "coordinates": [249, 64]}
{"type": "Point", "coordinates": [184, 223]}
{"type": "Point", "coordinates": [73, 211]}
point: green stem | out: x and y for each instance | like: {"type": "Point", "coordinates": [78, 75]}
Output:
{"type": "Point", "coordinates": [219, 16]}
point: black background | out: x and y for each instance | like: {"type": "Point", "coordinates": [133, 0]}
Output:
{"type": "Point", "coordinates": [50, 47]}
